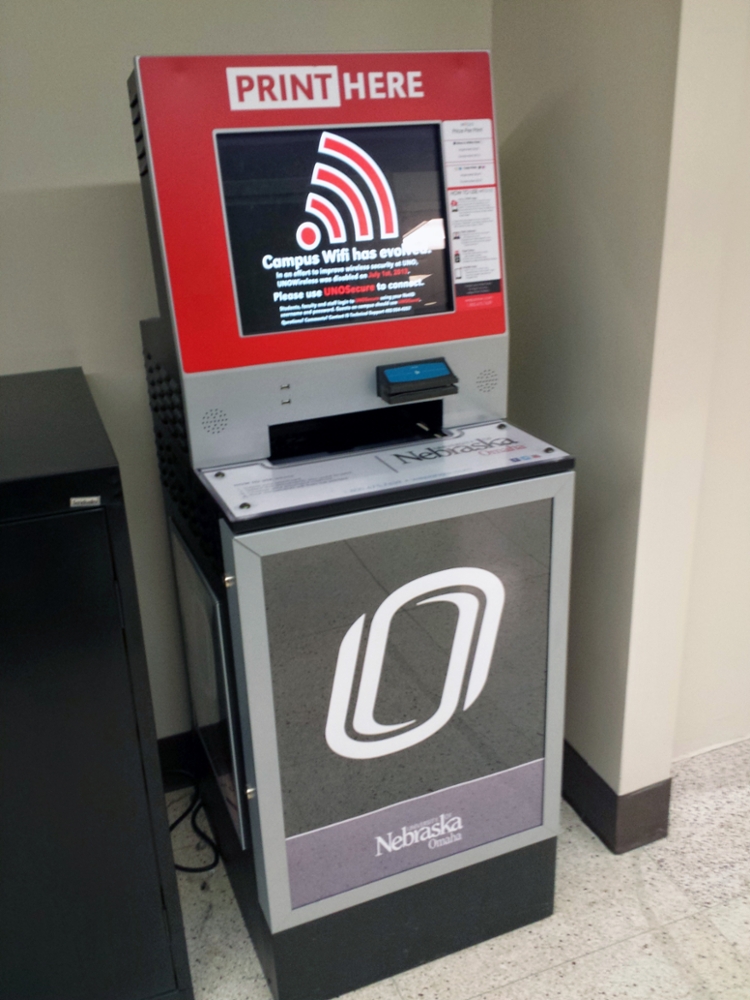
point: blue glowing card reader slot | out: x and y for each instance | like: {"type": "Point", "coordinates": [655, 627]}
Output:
{"type": "Point", "coordinates": [426, 379]}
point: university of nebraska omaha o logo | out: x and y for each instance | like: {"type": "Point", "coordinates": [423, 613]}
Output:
{"type": "Point", "coordinates": [363, 722]}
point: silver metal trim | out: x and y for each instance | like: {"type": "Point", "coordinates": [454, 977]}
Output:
{"type": "Point", "coordinates": [221, 650]}
{"type": "Point", "coordinates": [243, 711]}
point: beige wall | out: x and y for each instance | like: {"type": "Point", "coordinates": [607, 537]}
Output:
{"type": "Point", "coordinates": [714, 697]}
{"type": "Point", "coordinates": [74, 268]}
{"type": "Point", "coordinates": [584, 95]}
{"type": "Point", "coordinates": [691, 614]}
{"type": "Point", "coordinates": [584, 101]}
{"type": "Point", "coordinates": [635, 354]}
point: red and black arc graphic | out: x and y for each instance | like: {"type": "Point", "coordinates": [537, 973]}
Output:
{"type": "Point", "coordinates": [347, 193]}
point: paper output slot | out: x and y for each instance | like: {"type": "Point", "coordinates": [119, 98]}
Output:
{"type": "Point", "coordinates": [364, 429]}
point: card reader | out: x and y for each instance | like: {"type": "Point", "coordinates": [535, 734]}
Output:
{"type": "Point", "coordinates": [417, 380]}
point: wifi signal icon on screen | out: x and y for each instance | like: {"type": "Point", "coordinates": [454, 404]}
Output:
{"type": "Point", "coordinates": [350, 194]}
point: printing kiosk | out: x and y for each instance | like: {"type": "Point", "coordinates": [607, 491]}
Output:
{"type": "Point", "coordinates": [372, 564]}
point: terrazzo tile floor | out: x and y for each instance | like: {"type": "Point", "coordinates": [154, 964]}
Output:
{"type": "Point", "coordinates": [668, 921]}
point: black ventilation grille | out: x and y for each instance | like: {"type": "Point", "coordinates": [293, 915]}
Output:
{"type": "Point", "coordinates": [191, 507]}
{"type": "Point", "coordinates": [138, 135]}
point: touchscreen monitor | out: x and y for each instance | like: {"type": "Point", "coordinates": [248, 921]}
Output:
{"type": "Point", "coordinates": [335, 226]}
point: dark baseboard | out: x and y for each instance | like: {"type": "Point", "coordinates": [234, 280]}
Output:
{"type": "Point", "coordinates": [178, 754]}
{"type": "Point", "coordinates": [622, 822]}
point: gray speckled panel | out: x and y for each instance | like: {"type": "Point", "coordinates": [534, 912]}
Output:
{"type": "Point", "coordinates": [313, 596]}
{"type": "Point", "coordinates": [475, 540]}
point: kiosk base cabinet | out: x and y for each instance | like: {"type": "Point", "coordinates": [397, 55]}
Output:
{"type": "Point", "coordinates": [396, 696]}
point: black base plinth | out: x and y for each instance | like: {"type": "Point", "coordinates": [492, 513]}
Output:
{"type": "Point", "coordinates": [363, 944]}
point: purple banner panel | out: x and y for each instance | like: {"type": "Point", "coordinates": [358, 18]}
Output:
{"type": "Point", "coordinates": [408, 834]}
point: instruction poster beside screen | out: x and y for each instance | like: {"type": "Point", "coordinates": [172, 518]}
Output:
{"type": "Point", "coordinates": [468, 153]}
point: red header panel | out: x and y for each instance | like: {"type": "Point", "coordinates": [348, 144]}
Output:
{"type": "Point", "coordinates": [319, 205]}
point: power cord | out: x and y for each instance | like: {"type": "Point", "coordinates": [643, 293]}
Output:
{"type": "Point", "coordinates": [195, 806]}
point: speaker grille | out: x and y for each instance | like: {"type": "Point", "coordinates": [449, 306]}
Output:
{"type": "Point", "coordinates": [214, 421]}
{"type": "Point", "coordinates": [487, 380]}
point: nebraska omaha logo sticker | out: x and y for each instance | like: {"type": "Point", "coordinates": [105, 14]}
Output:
{"type": "Point", "coordinates": [363, 722]}
{"type": "Point", "coordinates": [440, 832]}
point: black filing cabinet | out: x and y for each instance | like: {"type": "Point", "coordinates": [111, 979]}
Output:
{"type": "Point", "coordinates": [88, 897]}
